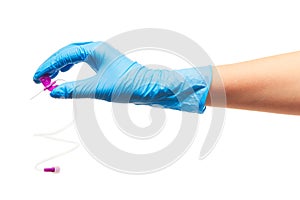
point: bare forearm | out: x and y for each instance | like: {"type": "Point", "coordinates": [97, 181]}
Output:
{"type": "Point", "coordinates": [269, 84]}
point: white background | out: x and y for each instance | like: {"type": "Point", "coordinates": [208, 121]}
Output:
{"type": "Point", "coordinates": [257, 156]}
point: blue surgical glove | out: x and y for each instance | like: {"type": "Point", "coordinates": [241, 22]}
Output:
{"type": "Point", "coordinates": [119, 79]}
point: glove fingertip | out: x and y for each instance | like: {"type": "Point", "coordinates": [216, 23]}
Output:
{"type": "Point", "coordinates": [56, 94]}
{"type": "Point", "coordinates": [37, 76]}
{"type": "Point", "coordinates": [61, 92]}
{"type": "Point", "coordinates": [35, 80]}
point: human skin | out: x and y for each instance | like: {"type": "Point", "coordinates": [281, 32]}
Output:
{"type": "Point", "coordinates": [270, 84]}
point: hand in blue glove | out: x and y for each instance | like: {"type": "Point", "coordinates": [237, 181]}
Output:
{"type": "Point", "coordinates": [119, 79]}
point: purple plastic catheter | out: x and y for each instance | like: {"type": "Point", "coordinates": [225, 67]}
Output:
{"type": "Point", "coordinates": [46, 81]}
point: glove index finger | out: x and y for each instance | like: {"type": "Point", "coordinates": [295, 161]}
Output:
{"type": "Point", "coordinates": [85, 88]}
{"type": "Point", "coordinates": [67, 56]}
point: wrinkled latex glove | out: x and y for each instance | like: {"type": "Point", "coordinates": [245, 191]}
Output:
{"type": "Point", "coordinates": [119, 79]}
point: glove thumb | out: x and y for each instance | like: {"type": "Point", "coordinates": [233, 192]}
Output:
{"type": "Point", "coordinates": [77, 89]}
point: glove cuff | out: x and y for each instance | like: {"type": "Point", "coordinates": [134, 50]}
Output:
{"type": "Point", "coordinates": [195, 87]}
{"type": "Point", "coordinates": [184, 89]}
